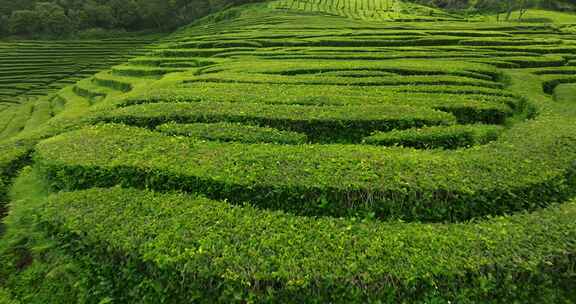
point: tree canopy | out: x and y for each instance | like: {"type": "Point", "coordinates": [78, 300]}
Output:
{"type": "Point", "coordinates": [63, 17]}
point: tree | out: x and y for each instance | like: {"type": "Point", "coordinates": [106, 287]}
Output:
{"type": "Point", "coordinates": [97, 15]}
{"type": "Point", "coordinates": [506, 7]}
{"type": "Point", "coordinates": [9, 6]}
{"type": "Point", "coordinates": [157, 12]}
{"type": "Point", "coordinates": [60, 17]}
{"type": "Point", "coordinates": [52, 19]}
{"type": "Point", "coordinates": [125, 13]}
{"type": "Point", "coordinates": [23, 22]}
{"type": "Point", "coordinates": [524, 5]}
{"type": "Point", "coordinates": [3, 25]}
{"type": "Point", "coordinates": [520, 5]}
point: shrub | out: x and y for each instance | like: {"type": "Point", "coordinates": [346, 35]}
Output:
{"type": "Point", "coordinates": [337, 180]}
{"type": "Point", "coordinates": [417, 95]}
{"type": "Point", "coordinates": [448, 137]}
{"type": "Point", "coordinates": [105, 80]}
{"type": "Point", "coordinates": [320, 123]}
{"type": "Point", "coordinates": [134, 71]}
{"type": "Point", "coordinates": [151, 248]}
{"type": "Point", "coordinates": [233, 132]}
{"type": "Point", "coordinates": [368, 81]}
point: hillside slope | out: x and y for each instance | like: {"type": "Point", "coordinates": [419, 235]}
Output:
{"type": "Point", "coordinates": [306, 152]}
{"type": "Point", "coordinates": [31, 71]}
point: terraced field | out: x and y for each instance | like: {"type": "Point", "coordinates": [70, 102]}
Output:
{"type": "Point", "coordinates": [31, 71]}
{"type": "Point", "coordinates": [307, 152]}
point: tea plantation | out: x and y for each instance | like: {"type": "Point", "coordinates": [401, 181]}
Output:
{"type": "Point", "coordinates": [31, 71]}
{"type": "Point", "coordinates": [319, 151]}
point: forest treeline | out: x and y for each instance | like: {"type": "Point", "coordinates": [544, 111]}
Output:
{"type": "Point", "coordinates": [60, 18]}
{"type": "Point", "coordinates": [70, 17]}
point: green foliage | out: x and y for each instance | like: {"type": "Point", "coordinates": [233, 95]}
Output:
{"type": "Point", "coordinates": [147, 247]}
{"type": "Point", "coordinates": [337, 180]}
{"type": "Point", "coordinates": [499, 6]}
{"type": "Point", "coordinates": [5, 297]}
{"type": "Point", "coordinates": [319, 123]}
{"type": "Point", "coordinates": [238, 173]}
{"type": "Point", "coordinates": [233, 132]}
{"type": "Point", "coordinates": [32, 268]}
{"type": "Point", "coordinates": [52, 18]}
{"type": "Point", "coordinates": [565, 93]}
{"type": "Point", "coordinates": [45, 19]}
{"type": "Point", "coordinates": [448, 137]}
{"type": "Point", "coordinates": [23, 22]}
{"type": "Point", "coordinates": [13, 156]}
{"type": "Point", "coordinates": [31, 72]}
{"type": "Point", "coordinates": [481, 103]}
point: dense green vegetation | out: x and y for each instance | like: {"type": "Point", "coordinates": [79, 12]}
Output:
{"type": "Point", "coordinates": [448, 137]}
{"type": "Point", "coordinates": [33, 71]}
{"type": "Point", "coordinates": [500, 6]}
{"type": "Point", "coordinates": [93, 18]}
{"type": "Point", "coordinates": [100, 18]}
{"type": "Point", "coordinates": [303, 152]}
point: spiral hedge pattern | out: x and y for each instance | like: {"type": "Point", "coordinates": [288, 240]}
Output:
{"type": "Point", "coordinates": [308, 152]}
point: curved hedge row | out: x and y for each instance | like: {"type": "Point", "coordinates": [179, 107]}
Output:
{"type": "Point", "coordinates": [448, 137]}
{"type": "Point", "coordinates": [265, 221]}
{"type": "Point", "coordinates": [337, 180]}
{"type": "Point", "coordinates": [320, 123]}
{"type": "Point", "coordinates": [31, 70]}
{"type": "Point", "coordinates": [233, 132]}
{"type": "Point", "coordinates": [147, 247]}
{"type": "Point", "coordinates": [396, 67]}
{"type": "Point", "coordinates": [462, 96]}
{"type": "Point", "coordinates": [225, 77]}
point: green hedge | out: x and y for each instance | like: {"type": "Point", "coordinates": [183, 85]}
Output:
{"type": "Point", "coordinates": [195, 52]}
{"type": "Point", "coordinates": [565, 93]}
{"type": "Point", "coordinates": [14, 154]}
{"type": "Point", "coordinates": [84, 90]}
{"type": "Point", "coordinates": [323, 41]}
{"type": "Point", "coordinates": [511, 42]}
{"type": "Point", "coordinates": [566, 70]}
{"type": "Point", "coordinates": [171, 62]}
{"type": "Point", "coordinates": [337, 180]}
{"type": "Point", "coordinates": [343, 42]}
{"type": "Point", "coordinates": [107, 80]}
{"type": "Point", "coordinates": [225, 77]}
{"type": "Point", "coordinates": [349, 54]}
{"type": "Point", "coordinates": [143, 71]}
{"type": "Point", "coordinates": [320, 123]}
{"type": "Point", "coordinates": [329, 95]}
{"type": "Point", "coordinates": [448, 137]}
{"type": "Point", "coordinates": [21, 116]}
{"type": "Point", "coordinates": [233, 132]}
{"type": "Point", "coordinates": [552, 81]}
{"type": "Point", "coordinates": [403, 67]}
{"type": "Point", "coordinates": [145, 247]}
{"type": "Point", "coordinates": [42, 113]}
{"type": "Point", "coordinates": [562, 49]}
{"type": "Point", "coordinates": [537, 61]}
